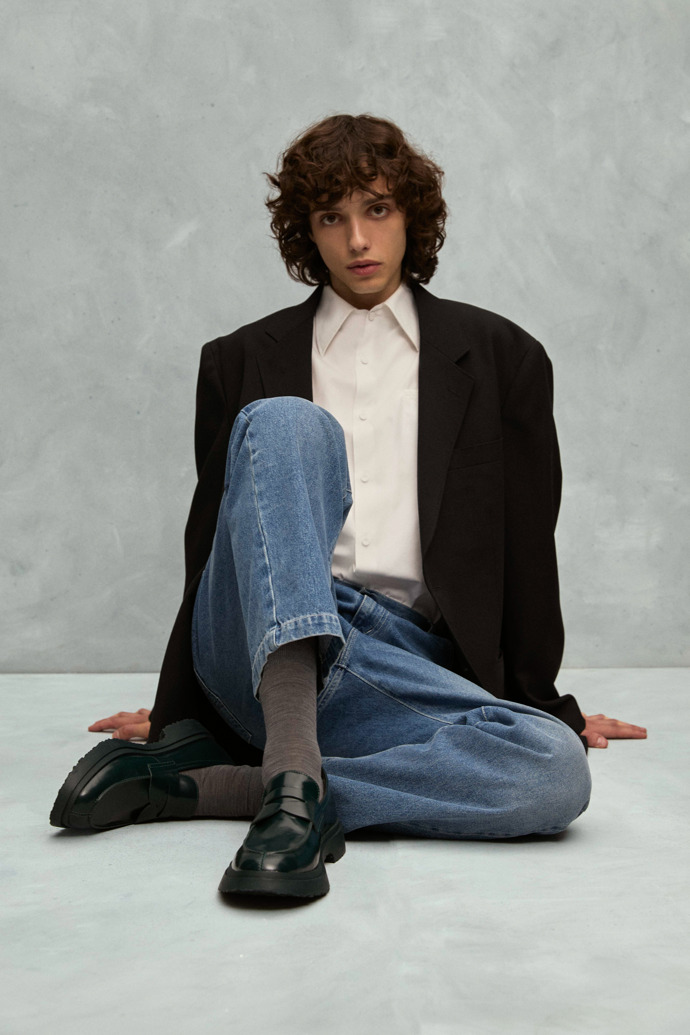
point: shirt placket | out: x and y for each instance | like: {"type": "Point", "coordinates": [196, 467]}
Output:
{"type": "Point", "coordinates": [364, 442]}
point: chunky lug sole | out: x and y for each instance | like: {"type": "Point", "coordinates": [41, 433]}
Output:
{"type": "Point", "coordinates": [176, 735]}
{"type": "Point", "coordinates": [312, 883]}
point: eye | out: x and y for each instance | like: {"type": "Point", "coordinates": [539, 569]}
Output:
{"type": "Point", "coordinates": [328, 218]}
{"type": "Point", "coordinates": [379, 210]}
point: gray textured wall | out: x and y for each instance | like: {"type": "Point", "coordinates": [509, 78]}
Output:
{"type": "Point", "coordinates": [135, 134]}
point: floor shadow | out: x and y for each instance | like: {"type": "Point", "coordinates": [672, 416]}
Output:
{"type": "Point", "coordinates": [263, 903]}
{"type": "Point", "coordinates": [67, 832]}
{"type": "Point", "coordinates": [369, 835]}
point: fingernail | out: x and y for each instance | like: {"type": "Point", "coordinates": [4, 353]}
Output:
{"type": "Point", "coordinates": [601, 742]}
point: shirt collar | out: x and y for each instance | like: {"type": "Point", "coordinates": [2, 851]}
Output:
{"type": "Point", "coordinates": [333, 311]}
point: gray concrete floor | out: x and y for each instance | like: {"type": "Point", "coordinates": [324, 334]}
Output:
{"type": "Point", "coordinates": [124, 931]}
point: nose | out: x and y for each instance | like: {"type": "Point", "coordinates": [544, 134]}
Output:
{"type": "Point", "coordinates": [359, 240]}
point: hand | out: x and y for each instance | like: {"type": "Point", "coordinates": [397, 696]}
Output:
{"type": "Point", "coordinates": [599, 729]}
{"type": "Point", "coordinates": [125, 725]}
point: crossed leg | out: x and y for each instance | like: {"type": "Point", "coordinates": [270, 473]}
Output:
{"type": "Point", "coordinates": [407, 743]}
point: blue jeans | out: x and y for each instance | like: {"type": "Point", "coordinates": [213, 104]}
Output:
{"type": "Point", "coordinates": [407, 743]}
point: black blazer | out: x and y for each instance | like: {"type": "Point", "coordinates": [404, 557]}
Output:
{"type": "Point", "coordinates": [489, 483]}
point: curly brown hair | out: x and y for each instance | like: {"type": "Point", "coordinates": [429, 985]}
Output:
{"type": "Point", "coordinates": [337, 156]}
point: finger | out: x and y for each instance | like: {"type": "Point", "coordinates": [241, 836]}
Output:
{"type": "Point", "coordinates": [131, 730]}
{"type": "Point", "coordinates": [616, 728]}
{"type": "Point", "coordinates": [626, 732]}
{"type": "Point", "coordinates": [595, 739]}
{"type": "Point", "coordinates": [105, 725]}
{"type": "Point", "coordinates": [118, 720]}
{"type": "Point", "coordinates": [134, 729]}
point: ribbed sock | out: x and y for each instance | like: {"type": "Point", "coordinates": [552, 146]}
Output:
{"type": "Point", "coordinates": [287, 695]}
{"type": "Point", "coordinates": [228, 791]}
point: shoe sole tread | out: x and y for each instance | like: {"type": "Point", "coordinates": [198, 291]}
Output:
{"type": "Point", "coordinates": [306, 884]}
{"type": "Point", "coordinates": [177, 734]}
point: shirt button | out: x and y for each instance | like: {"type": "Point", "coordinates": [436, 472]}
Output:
{"type": "Point", "coordinates": [362, 416]}
{"type": "Point", "coordinates": [365, 542]}
{"type": "Point", "coordinates": [364, 360]}
{"type": "Point", "coordinates": [364, 478]}
{"type": "Point", "coordinates": [372, 314]}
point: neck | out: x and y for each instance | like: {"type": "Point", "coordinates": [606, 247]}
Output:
{"type": "Point", "coordinates": [364, 301]}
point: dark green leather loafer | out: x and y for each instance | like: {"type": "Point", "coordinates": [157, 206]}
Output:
{"type": "Point", "coordinates": [118, 783]}
{"type": "Point", "coordinates": [288, 842]}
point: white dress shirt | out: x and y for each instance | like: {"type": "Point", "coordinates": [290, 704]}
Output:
{"type": "Point", "coordinates": [365, 371]}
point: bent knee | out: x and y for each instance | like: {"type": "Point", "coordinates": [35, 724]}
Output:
{"type": "Point", "coordinates": [290, 419]}
{"type": "Point", "coordinates": [290, 430]}
{"type": "Point", "coordinates": [562, 785]}
{"type": "Point", "coordinates": [286, 408]}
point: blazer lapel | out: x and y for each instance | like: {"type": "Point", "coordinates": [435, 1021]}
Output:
{"type": "Point", "coordinates": [444, 394]}
{"type": "Point", "coordinates": [284, 356]}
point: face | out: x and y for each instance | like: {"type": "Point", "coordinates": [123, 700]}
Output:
{"type": "Point", "coordinates": [362, 241]}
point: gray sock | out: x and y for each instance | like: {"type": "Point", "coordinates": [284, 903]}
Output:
{"type": "Point", "coordinates": [228, 791]}
{"type": "Point", "coordinates": [287, 694]}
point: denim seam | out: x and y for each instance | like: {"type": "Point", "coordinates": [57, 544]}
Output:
{"type": "Point", "coordinates": [340, 666]}
{"type": "Point", "coordinates": [330, 687]}
{"type": "Point", "coordinates": [338, 442]}
{"type": "Point", "coordinates": [226, 481]}
{"type": "Point", "coordinates": [392, 697]}
{"type": "Point", "coordinates": [260, 522]}
{"type": "Point", "coordinates": [381, 618]}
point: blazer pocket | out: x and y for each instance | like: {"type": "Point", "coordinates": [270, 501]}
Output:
{"type": "Point", "coordinates": [481, 453]}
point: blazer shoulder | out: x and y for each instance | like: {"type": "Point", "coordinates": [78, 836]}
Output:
{"type": "Point", "coordinates": [488, 345]}
{"type": "Point", "coordinates": [477, 323]}
{"type": "Point", "coordinates": [275, 325]}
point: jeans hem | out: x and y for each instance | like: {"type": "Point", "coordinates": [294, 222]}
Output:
{"type": "Point", "coordinates": [294, 629]}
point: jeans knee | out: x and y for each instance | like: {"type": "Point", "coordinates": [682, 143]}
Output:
{"type": "Point", "coordinates": [565, 784]}
{"type": "Point", "coordinates": [290, 422]}
{"type": "Point", "coordinates": [288, 434]}
{"type": "Point", "coordinates": [287, 411]}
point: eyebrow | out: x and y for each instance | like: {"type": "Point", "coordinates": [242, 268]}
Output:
{"type": "Point", "coordinates": [375, 200]}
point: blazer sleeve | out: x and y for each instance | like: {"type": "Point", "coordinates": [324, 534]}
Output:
{"type": "Point", "coordinates": [532, 634]}
{"type": "Point", "coordinates": [211, 436]}
{"type": "Point", "coordinates": [179, 695]}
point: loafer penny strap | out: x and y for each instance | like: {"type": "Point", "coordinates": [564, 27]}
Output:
{"type": "Point", "coordinates": [162, 804]}
{"type": "Point", "coordinates": [293, 806]}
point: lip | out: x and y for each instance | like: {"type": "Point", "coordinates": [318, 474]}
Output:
{"type": "Point", "coordinates": [364, 268]}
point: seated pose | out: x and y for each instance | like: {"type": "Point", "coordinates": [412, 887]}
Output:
{"type": "Point", "coordinates": [370, 630]}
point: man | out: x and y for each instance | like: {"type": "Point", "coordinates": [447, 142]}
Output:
{"type": "Point", "coordinates": [370, 629]}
